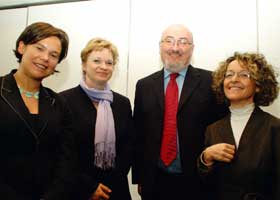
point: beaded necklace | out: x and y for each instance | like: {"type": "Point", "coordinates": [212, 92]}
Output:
{"type": "Point", "coordinates": [29, 94]}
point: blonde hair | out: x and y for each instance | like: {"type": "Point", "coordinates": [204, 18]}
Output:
{"type": "Point", "coordinates": [98, 44]}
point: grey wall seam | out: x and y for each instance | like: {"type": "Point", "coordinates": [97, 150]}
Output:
{"type": "Point", "coordinates": [27, 16]}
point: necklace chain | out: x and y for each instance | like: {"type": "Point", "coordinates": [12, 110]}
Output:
{"type": "Point", "coordinates": [29, 94]}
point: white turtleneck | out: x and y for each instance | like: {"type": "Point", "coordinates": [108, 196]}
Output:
{"type": "Point", "coordinates": [238, 120]}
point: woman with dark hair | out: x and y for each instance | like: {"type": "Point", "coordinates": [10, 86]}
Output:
{"type": "Point", "coordinates": [242, 155]}
{"type": "Point", "coordinates": [35, 124]}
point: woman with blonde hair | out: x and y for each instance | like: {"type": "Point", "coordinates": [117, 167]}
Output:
{"type": "Point", "coordinates": [103, 124]}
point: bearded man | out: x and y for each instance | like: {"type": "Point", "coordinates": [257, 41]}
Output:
{"type": "Point", "coordinates": [172, 109]}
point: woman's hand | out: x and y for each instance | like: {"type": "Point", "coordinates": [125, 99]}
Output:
{"type": "Point", "coordinates": [101, 193]}
{"type": "Point", "coordinates": [219, 152]}
{"type": "Point", "coordinates": [139, 189]}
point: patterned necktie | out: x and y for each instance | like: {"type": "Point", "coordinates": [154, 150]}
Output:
{"type": "Point", "coordinates": [169, 139]}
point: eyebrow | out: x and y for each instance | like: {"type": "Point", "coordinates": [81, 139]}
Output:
{"type": "Point", "coordinates": [97, 57]}
{"type": "Point", "coordinates": [42, 45]}
{"type": "Point", "coordinates": [244, 70]}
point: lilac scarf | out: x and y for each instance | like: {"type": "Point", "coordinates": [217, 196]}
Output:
{"type": "Point", "coordinates": [105, 138]}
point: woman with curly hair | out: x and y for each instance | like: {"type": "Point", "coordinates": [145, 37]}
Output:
{"type": "Point", "coordinates": [242, 155]}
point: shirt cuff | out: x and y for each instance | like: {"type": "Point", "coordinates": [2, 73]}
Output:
{"type": "Point", "coordinates": [203, 161]}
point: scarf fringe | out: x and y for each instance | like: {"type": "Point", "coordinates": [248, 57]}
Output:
{"type": "Point", "coordinates": [105, 159]}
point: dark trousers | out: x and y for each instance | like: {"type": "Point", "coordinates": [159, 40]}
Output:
{"type": "Point", "coordinates": [174, 187]}
{"type": "Point", "coordinates": [169, 186]}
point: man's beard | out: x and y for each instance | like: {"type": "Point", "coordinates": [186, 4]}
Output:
{"type": "Point", "coordinates": [174, 67]}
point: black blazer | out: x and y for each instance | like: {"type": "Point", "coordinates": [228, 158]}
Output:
{"type": "Point", "coordinates": [197, 109]}
{"type": "Point", "coordinates": [31, 155]}
{"type": "Point", "coordinates": [254, 172]}
{"type": "Point", "coordinates": [84, 122]}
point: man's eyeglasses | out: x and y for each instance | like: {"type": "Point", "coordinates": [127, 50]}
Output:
{"type": "Point", "coordinates": [242, 75]}
{"type": "Point", "coordinates": [181, 42]}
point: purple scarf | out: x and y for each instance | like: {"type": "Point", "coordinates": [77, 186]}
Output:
{"type": "Point", "coordinates": [105, 137]}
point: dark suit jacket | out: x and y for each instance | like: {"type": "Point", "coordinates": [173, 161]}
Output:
{"type": "Point", "coordinates": [254, 172]}
{"type": "Point", "coordinates": [31, 154]}
{"type": "Point", "coordinates": [85, 118]}
{"type": "Point", "coordinates": [197, 109]}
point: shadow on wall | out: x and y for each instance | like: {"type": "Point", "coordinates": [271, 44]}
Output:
{"type": "Point", "coordinates": [57, 80]}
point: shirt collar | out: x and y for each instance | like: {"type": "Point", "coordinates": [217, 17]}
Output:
{"type": "Point", "coordinates": [181, 73]}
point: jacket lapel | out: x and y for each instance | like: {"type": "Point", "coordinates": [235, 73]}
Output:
{"type": "Point", "coordinates": [248, 132]}
{"type": "Point", "coordinates": [46, 111]}
{"type": "Point", "coordinates": [191, 81]}
{"type": "Point", "coordinates": [226, 131]}
{"type": "Point", "coordinates": [11, 95]}
{"type": "Point", "coordinates": [88, 108]}
{"type": "Point", "coordinates": [251, 128]}
{"type": "Point", "coordinates": [116, 110]}
{"type": "Point", "coordinates": [158, 88]}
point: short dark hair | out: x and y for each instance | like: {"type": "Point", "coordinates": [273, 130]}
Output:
{"type": "Point", "coordinates": [39, 31]}
{"type": "Point", "coordinates": [261, 71]}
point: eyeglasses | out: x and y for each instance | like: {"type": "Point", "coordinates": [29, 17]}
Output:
{"type": "Point", "coordinates": [244, 75]}
{"type": "Point", "coordinates": [181, 42]}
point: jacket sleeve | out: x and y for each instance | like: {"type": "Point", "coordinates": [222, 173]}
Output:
{"type": "Point", "coordinates": [203, 169]}
{"type": "Point", "coordinates": [66, 170]}
{"type": "Point", "coordinates": [137, 164]}
{"type": "Point", "coordinates": [276, 158]}
{"type": "Point", "coordinates": [8, 193]}
{"type": "Point", "coordinates": [127, 143]}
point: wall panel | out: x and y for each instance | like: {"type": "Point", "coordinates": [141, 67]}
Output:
{"type": "Point", "coordinates": [269, 41]}
{"type": "Point", "coordinates": [83, 21]}
{"type": "Point", "coordinates": [12, 22]}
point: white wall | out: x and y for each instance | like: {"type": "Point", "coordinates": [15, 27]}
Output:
{"type": "Point", "coordinates": [83, 21]}
{"type": "Point", "coordinates": [269, 40]}
{"type": "Point", "coordinates": [219, 27]}
{"type": "Point", "coordinates": [12, 22]}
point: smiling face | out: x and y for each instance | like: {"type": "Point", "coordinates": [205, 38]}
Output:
{"type": "Point", "coordinates": [176, 48]}
{"type": "Point", "coordinates": [239, 88]}
{"type": "Point", "coordinates": [98, 68]}
{"type": "Point", "coordinates": [39, 59]}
